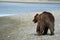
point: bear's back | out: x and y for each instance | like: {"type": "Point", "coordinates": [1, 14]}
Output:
{"type": "Point", "coordinates": [47, 16]}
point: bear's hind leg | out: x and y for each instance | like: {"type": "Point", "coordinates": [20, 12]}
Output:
{"type": "Point", "coordinates": [51, 27]}
{"type": "Point", "coordinates": [45, 31]}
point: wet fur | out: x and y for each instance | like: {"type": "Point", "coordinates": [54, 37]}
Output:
{"type": "Point", "coordinates": [44, 21]}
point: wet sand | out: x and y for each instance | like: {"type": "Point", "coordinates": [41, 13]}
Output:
{"type": "Point", "coordinates": [21, 27]}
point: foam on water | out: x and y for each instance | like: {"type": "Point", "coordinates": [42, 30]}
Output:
{"type": "Point", "coordinates": [6, 15]}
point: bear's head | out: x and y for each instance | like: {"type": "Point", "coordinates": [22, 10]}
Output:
{"type": "Point", "coordinates": [36, 18]}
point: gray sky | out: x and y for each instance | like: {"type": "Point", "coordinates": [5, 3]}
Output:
{"type": "Point", "coordinates": [29, 0]}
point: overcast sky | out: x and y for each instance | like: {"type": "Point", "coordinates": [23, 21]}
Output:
{"type": "Point", "coordinates": [29, 0]}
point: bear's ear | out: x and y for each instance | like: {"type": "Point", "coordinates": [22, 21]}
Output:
{"type": "Point", "coordinates": [37, 14]}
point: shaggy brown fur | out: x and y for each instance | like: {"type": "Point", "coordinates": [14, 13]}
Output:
{"type": "Point", "coordinates": [44, 21]}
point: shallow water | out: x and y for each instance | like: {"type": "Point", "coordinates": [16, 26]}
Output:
{"type": "Point", "coordinates": [16, 8]}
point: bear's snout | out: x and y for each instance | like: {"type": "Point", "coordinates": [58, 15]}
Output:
{"type": "Point", "coordinates": [34, 21]}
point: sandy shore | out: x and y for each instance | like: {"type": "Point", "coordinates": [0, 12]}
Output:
{"type": "Point", "coordinates": [21, 27]}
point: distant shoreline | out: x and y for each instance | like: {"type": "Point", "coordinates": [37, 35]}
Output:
{"type": "Point", "coordinates": [34, 2]}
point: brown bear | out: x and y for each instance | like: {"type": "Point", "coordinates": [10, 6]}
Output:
{"type": "Point", "coordinates": [44, 21]}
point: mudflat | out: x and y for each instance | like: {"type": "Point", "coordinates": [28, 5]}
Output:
{"type": "Point", "coordinates": [21, 27]}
